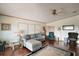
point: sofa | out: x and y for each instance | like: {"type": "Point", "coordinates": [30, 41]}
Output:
{"type": "Point", "coordinates": [33, 41]}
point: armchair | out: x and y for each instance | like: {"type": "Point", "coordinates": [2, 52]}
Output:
{"type": "Point", "coordinates": [2, 46]}
{"type": "Point", "coordinates": [72, 37]}
{"type": "Point", "coordinates": [51, 36]}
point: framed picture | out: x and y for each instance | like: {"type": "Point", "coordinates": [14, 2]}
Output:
{"type": "Point", "coordinates": [68, 27]}
{"type": "Point", "coordinates": [5, 26]}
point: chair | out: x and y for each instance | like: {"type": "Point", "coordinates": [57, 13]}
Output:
{"type": "Point", "coordinates": [72, 37]}
{"type": "Point", "coordinates": [51, 36]}
{"type": "Point", "coordinates": [2, 46]}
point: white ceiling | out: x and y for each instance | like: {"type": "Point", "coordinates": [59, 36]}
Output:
{"type": "Point", "coordinates": [39, 11]}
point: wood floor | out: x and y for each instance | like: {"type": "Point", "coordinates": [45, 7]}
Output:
{"type": "Point", "coordinates": [23, 51]}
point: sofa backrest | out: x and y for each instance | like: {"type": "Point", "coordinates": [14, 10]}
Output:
{"type": "Point", "coordinates": [32, 36]}
{"type": "Point", "coordinates": [27, 37]}
{"type": "Point", "coordinates": [73, 35]}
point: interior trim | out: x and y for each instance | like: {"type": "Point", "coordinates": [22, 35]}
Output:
{"type": "Point", "coordinates": [21, 18]}
{"type": "Point", "coordinates": [62, 18]}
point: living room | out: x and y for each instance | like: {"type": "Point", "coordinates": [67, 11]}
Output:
{"type": "Point", "coordinates": [18, 21]}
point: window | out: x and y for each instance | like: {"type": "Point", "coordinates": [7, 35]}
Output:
{"type": "Point", "coordinates": [68, 27]}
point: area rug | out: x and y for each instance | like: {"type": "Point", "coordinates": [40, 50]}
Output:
{"type": "Point", "coordinates": [51, 51]}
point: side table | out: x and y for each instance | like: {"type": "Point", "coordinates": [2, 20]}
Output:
{"type": "Point", "coordinates": [13, 44]}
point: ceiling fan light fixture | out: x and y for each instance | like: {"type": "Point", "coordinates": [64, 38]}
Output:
{"type": "Point", "coordinates": [54, 12]}
{"type": "Point", "coordinates": [75, 11]}
{"type": "Point", "coordinates": [57, 11]}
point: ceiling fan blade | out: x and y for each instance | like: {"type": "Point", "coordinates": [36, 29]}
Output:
{"type": "Point", "coordinates": [59, 11]}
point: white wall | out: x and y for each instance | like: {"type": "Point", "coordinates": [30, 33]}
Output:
{"type": "Point", "coordinates": [49, 29]}
{"type": "Point", "coordinates": [29, 27]}
{"type": "Point", "coordinates": [67, 21]}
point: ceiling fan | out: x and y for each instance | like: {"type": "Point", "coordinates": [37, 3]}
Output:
{"type": "Point", "coordinates": [57, 11]}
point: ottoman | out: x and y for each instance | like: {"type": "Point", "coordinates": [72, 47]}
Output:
{"type": "Point", "coordinates": [33, 45]}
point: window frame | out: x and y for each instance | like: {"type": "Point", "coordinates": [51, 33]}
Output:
{"type": "Point", "coordinates": [63, 27]}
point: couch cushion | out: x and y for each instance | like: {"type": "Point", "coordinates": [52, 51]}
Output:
{"type": "Point", "coordinates": [73, 39]}
{"type": "Point", "coordinates": [32, 36]}
{"type": "Point", "coordinates": [33, 45]}
{"type": "Point", "coordinates": [27, 37]}
{"type": "Point", "coordinates": [33, 42]}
